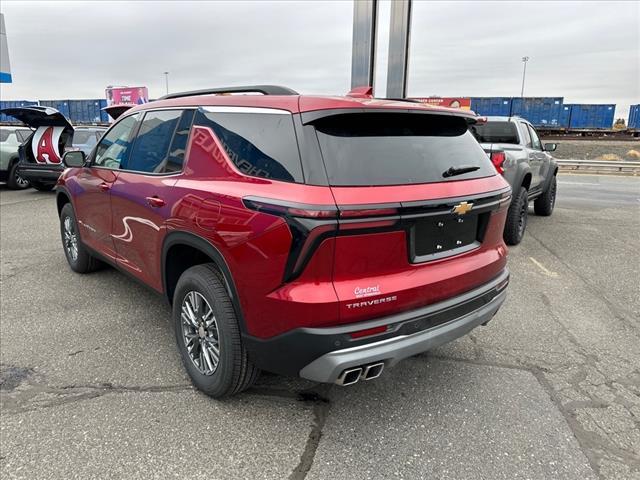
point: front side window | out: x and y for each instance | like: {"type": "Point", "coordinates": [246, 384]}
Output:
{"type": "Point", "coordinates": [115, 146]}
{"type": "Point", "coordinates": [366, 149]}
{"type": "Point", "coordinates": [535, 140]}
{"type": "Point", "coordinates": [259, 144]}
{"type": "Point", "coordinates": [151, 148]}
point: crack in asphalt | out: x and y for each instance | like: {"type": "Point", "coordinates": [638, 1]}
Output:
{"type": "Point", "coordinates": [29, 397]}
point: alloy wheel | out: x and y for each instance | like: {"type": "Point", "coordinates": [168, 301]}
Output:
{"type": "Point", "coordinates": [70, 239]}
{"type": "Point", "coordinates": [200, 332]}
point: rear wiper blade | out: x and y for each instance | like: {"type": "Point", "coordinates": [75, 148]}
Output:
{"type": "Point", "coordinates": [453, 171]}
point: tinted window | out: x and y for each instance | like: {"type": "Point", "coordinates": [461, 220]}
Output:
{"type": "Point", "coordinates": [398, 149]}
{"type": "Point", "coordinates": [259, 144]}
{"type": "Point", "coordinates": [23, 135]}
{"type": "Point", "coordinates": [4, 134]}
{"type": "Point", "coordinates": [526, 138]}
{"type": "Point", "coordinates": [179, 144]}
{"type": "Point", "coordinates": [82, 137]}
{"type": "Point", "coordinates": [535, 141]}
{"type": "Point", "coordinates": [496, 132]}
{"type": "Point", "coordinates": [115, 146]}
{"type": "Point", "coordinates": [151, 147]}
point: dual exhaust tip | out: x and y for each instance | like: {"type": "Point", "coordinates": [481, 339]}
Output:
{"type": "Point", "coordinates": [354, 375]}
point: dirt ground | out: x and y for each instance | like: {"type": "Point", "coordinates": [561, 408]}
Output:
{"type": "Point", "coordinates": [597, 149]}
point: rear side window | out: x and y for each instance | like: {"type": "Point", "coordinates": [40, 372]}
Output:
{"type": "Point", "coordinates": [151, 148]}
{"type": "Point", "coordinates": [397, 149]}
{"type": "Point", "coordinates": [259, 144]}
{"type": "Point", "coordinates": [23, 135]}
{"type": "Point", "coordinates": [496, 132]}
{"type": "Point", "coordinates": [535, 140]}
{"type": "Point", "coordinates": [525, 134]}
{"type": "Point", "coordinates": [175, 158]}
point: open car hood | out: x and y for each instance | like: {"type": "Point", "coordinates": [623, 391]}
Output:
{"type": "Point", "coordinates": [115, 111]}
{"type": "Point", "coordinates": [36, 117]}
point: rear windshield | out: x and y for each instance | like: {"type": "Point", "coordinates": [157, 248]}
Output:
{"type": "Point", "coordinates": [398, 149]}
{"type": "Point", "coordinates": [496, 132]}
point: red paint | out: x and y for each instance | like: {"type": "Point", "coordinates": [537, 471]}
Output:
{"type": "Point", "coordinates": [206, 199]}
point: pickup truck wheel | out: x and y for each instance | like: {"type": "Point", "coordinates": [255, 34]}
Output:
{"type": "Point", "coordinates": [42, 187]}
{"type": "Point", "coordinates": [543, 205]}
{"type": "Point", "coordinates": [79, 258]}
{"type": "Point", "coordinates": [516, 222]}
{"type": "Point", "coordinates": [208, 335]}
{"type": "Point", "coordinates": [14, 180]}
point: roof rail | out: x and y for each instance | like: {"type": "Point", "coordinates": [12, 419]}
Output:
{"type": "Point", "coordinates": [264, 89]}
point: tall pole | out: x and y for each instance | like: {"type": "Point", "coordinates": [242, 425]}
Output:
{"type": "Point", "coordinates": [398, 63]}
{"type": "Point", "coordinates": [363, 49]}
{"type": "Point", "coordinates": [166, 81]}
{"type": "Point", "coordinates": [524, 73]}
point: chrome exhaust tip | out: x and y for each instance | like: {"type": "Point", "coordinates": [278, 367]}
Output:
{"type": "Point", "coordinates": [349, 376]}
{"type": "Point", "coordinates": [373, 371]}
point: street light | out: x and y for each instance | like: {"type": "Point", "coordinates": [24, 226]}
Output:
{"type": "Point", "coordinates": [524, 72]}
{"type": "Point", "coordinates": [166, 81]}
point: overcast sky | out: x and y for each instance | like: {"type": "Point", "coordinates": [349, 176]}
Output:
{"type": "Point", "coordinates": [587, 52]}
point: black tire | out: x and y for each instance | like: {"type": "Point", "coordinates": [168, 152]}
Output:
{"type": "Point", "coordinates": [543, 205]}
{"type": "Point", "coordinates": [234, 371]}
{"type": "Point", "coordinates": [42, 187]}
{"type": "Point", "coordinates": [15, 181]}
{"type": "Point", "coordinates": [516, 222]}
{"type": "Point", "coordinates": [83, 262]}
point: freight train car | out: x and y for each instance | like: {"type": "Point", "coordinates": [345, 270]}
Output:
{"type": "Point", "coordinates": [13, 104]}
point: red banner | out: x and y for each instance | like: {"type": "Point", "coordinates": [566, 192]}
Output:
{"type": "Point", "coordinates": [451, 102]}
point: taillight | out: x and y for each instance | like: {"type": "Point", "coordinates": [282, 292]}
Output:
{"type": "Point", "coordinates": [498, 158]}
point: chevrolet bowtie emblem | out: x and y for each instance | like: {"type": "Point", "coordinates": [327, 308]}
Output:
{"type": "Point", "coordinates": [462, 208]}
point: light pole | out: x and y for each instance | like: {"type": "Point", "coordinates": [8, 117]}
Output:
{"type": "Point", "coordinates": [166, 81]}
{"type": "Point", "coordinates": [524, 73]}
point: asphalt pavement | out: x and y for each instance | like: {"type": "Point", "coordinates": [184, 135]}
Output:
{"type": "Point", "coordinates": [91, 385]}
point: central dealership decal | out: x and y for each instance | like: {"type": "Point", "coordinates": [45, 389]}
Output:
{"type": "Point", "coordinates": [366, 291]}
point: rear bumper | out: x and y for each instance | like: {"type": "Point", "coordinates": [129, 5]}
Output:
{"type": "Point", "coordinates": [321, 354]}
{"type": "Point", "coordinates": [47, 174]}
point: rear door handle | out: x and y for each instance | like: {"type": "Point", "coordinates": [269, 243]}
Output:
{"type": "Point", "coordinates": [155, 202]}
{"type": "Point", "coordinates": [104, 186]}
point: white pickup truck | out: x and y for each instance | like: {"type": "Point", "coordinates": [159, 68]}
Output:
{"type": "Point", "coordinates": [518, 154]}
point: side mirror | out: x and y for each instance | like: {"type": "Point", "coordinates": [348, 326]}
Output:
{"type": "Point", "coordinates": [550, 147]}
{"type": "Point", "coordinates": [74, 159]}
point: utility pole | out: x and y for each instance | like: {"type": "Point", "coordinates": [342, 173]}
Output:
{"type": "Point", "coordinates": [166, 81]}
{"type": "Point", "coordinates": [524, 73]}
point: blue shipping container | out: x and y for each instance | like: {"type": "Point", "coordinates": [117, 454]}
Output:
{"type": "Point", "coordinates": [61, 105]}
{"type": "Point", "coordinates": [80, 111]}
{"type": "Point", "coordinates": [540, 111]}
{"type": "Point", "coordinates": [14, 104]}
{"type": "Point", "coordinates": [104, 116]}
{"type": "Point", "coordinates": [491, 106]}
{"type": "Point", "coordinates": [565, 117]}
{"type": "Point", "coordinates": [589, 116]}
{"type": "Point", "coordinates": [634, 117]}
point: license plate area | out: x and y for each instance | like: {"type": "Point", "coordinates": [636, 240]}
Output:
{"type": "Point", "coordinates": [441, 236]}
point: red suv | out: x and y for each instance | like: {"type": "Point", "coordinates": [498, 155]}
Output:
{"type": "Point", "coordinates": [325, 237]}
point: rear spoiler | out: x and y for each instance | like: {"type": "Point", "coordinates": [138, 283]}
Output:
{"type": "Point", "coordinates": [115, 111]}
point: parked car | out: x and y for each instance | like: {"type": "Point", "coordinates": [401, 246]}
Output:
{"type": "Point", "coordinates": [518, 154]}
{"type": "Point", "coordinates": [10, 140]}
{"type": "Point", "coordinates": [41, 153]}
{"type": "Point", "coordinates": [321, 237]}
